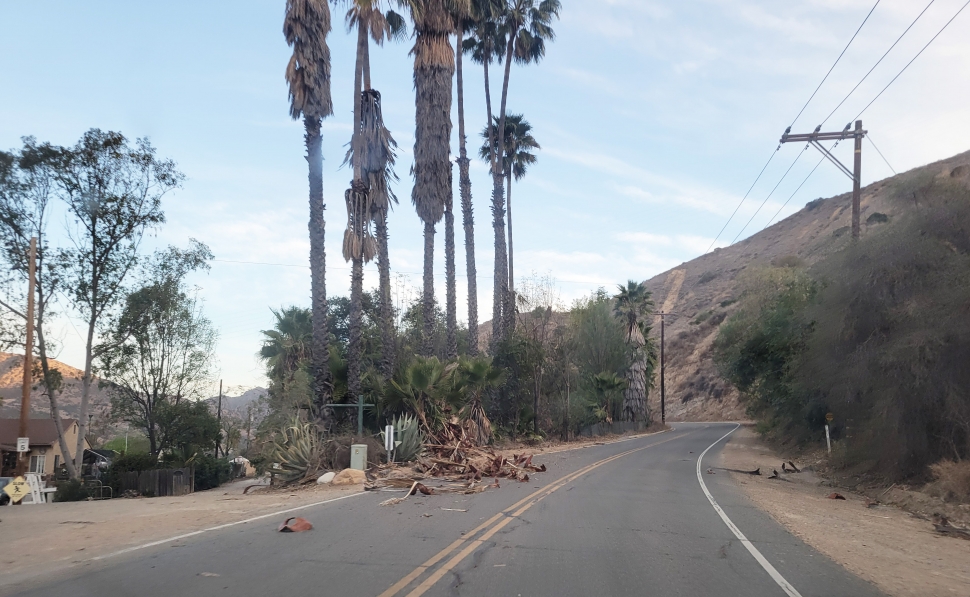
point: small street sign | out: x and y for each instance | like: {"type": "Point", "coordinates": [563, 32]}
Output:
{"type": "Point", "coordinates": [829, 417]}
{"type": "Point", "coordinates": [16, 489]}
{"type": "Point", "coordinates": [23, 444]}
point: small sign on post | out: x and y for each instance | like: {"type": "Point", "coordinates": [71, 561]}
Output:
{"type": "Point", "coordinates": [16, 489]}
{"type": "Point", "coordinates": [23, 444]}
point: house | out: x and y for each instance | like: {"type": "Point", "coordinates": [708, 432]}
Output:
{"type": "Point", "coordinates": [45, 450]}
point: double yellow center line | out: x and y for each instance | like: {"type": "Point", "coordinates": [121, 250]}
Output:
{"type": "Point", "coordinates": [492, 526]}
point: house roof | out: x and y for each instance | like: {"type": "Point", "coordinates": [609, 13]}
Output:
{"type": "Point", "coordinates": [42, 432]}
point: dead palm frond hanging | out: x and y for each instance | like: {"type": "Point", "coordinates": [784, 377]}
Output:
{"type": "Point", "coordinates": [359, 241]}
{"type": "Point", "coordinates": [371, 197]}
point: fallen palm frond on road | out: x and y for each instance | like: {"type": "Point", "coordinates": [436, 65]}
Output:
{"type": "Point", "coordinates": [452, 463]}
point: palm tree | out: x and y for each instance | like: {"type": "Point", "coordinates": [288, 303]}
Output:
{"type": "Point", "coordinates": [485, 46]}
{"type": "Point", "coordinates": [369, 198]}
{"type": "Point", "coordinates": [605, 386]}
{"type": "Point", "coordinates": [473, 378]}
{"type": "Point", "coordinates": [288, 345]}
{"type": "Point", "coordinates": [523, 26]}
{"type": "Point", "coordinates": [518, 157]}
{"type": "Point", "coordinates": [633, 307]}
{"type": "Point", "coordinates": [463, 23]}
{"type": "Point", "coordinates": [434, 67]}
{"type": "Point", "coordinates": [305, 27]}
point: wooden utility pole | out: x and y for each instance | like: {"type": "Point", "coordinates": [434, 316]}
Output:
{"type": "Point", "coordinates": [857, 181]}
{"type": "Point", "coordinates": [855, 174]}
{"type": "Point", "coordinates": [219, 418]}
{"type": "Point", "coordinates": [663, 374]}
{"type": "Point", "coordinates": [23, 457]}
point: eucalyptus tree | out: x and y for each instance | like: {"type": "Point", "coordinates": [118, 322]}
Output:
{"type": "Point", "coordinates": [369, 198]}
{"type": "Point", "coordinates": [160, 348]}
{"type": "Point", "coordinates": [519, 144]}
{"type": "Point", "coordinates": [113, 192]}
{"type": "Point", "coordinates": [434, 68]}
{"type": "Point", "coordinates": [633, 307]}
{"type": "Point", "coordinates": [27, 189]}
{"type": "Point", "coordinates": [305, 26]}
{"type": "Point", "coordinates": [524, 27]}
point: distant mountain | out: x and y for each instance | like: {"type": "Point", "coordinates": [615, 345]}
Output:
{"type": "Point", "coordinates": [11, 384]}
{"type": "Point", "coordinates": [238, 404]}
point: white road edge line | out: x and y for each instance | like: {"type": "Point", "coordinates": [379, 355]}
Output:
{"type": "Point", "coordinates": [222, 526]}
{"type": "Point", "coordinates": [774, 574]}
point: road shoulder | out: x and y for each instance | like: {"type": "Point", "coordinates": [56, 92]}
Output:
{"type": "Point", "coordinates": [897, 552]}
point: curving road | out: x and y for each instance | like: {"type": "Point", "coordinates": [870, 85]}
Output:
{"type": "Point", "coordinates": [634, 517]}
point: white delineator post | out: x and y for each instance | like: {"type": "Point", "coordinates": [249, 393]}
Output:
{"type": "Point", "coordinates": [389, 442]}
{"type": "Point", "coordinates": [828, 439]}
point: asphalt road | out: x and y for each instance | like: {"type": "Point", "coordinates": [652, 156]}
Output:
{"type": "Point", "coordinates": [628, 518]}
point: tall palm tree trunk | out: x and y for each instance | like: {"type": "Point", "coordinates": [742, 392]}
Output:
{"type": "Point", "coordinates": [500, 279]}
{"type": "Point", "coordinates": [467, 215]}
{"type": "Point", "coordinates": [434, 69]}
{"type": "Point", "coordinates": [450, 290]}
{"type": "Point", "coordinates": [427, 303]}
{"type": "Point", "coordinates": [322, 380]}
{"type": "Point", "coordinates": [509, 309]}
{"type": "Point", "coordinates": [388, 341]}
{"type": "Point", "coordinates": [498, 205]}
{"type": "Point", "coordinates": [354, 348]}
{"type": "Point", "coordinates": [508, 203]}
{"type": "Point", "coordinates": [635, 395]}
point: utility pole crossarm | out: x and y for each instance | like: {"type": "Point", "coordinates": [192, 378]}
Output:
{"type": "Point", "coordinates": [855, 174]}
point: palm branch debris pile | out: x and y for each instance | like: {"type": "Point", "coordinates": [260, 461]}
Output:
{"type": "Point", "coordinates": [452, 463]}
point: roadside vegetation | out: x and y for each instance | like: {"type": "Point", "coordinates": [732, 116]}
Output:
{"type": "Point", "coordinates": [877, 334]}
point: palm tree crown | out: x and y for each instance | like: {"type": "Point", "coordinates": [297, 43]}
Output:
{"type": "Point", "coordinates": [305, 27]}
{"type": "Point", "coordinates": [518, 143]}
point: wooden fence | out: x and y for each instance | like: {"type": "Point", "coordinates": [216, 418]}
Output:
{"type": "Point", "coordinates": [158, 483]}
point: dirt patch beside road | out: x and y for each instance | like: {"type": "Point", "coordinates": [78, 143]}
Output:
{"type": "Point", "coordinates": [899, 553]}
{"type": "Point", "coordinates": [45, 538]}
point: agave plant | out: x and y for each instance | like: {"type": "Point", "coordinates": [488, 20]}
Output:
{"type": "Point", "coordinates": [407, 432]}
{"type": "Point", "coordinates": [299, 449]}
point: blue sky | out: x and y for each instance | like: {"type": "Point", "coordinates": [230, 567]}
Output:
{"type": "Point", "coordinates": [654, 119]}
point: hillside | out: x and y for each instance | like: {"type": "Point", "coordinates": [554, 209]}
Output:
{"type": "Point", "coordinates": [237, 404]}
{"type": "Point", "coordinates": [11, 382]}
{"type": "Point", "coordinates": [701, 292]}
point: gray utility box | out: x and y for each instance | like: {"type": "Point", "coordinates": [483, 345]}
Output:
{"type": "Point", "coordinates": [358, 456]}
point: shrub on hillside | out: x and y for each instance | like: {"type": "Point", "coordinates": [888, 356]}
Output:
{"type": "Point", "coordinates": [952, 480]}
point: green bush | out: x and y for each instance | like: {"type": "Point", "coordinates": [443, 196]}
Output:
{"type": "Point", "coordinates": [70, 491]}
{"type": "Point", "coordinates": [210, 472]}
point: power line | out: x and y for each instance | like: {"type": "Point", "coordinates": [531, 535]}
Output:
{"type": "Point", "coordinates": [880, 154]}
{"type": "Point", "coordinates": [886, 53]}
{"type": "Point", "coordinates": [330, 268]}
{"type": "Point", "coordinates": [820, 160]}
{"type": "Point", "coordinates": [914, 59]}
{"type": "Point", "coordinates": [775, 152]}
{"type": "Point", "coordinates": [837, 60]}
{"type": "Point", "coordinates": [793, 122]}
{"type": "Point", "coordinates": [771, 193]}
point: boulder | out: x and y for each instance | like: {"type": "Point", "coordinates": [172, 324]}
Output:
{"type": "Point", "coordinates": [326, 477]}
{"type": "Point", "coordinates": [349, 476]}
